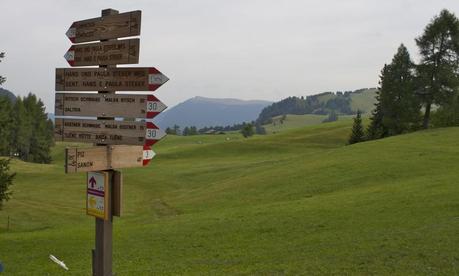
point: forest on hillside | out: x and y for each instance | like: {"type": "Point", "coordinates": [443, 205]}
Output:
{"type": "Point", "coordinates": [319, 104]}
{"type": "Point", "coordinates": [415, 96]}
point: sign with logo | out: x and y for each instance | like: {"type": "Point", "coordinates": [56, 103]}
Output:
{"type": "Point", "coordinates": [97, 197]}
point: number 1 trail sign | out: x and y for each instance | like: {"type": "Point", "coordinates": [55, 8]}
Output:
{"type": "Point", "coordinates": [106, 158]}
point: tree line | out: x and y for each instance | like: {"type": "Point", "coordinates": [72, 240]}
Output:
{"type": "Point", "coordinates": [25, 130]}
{"type": "Point", "coordinates": [247, 129]}
{"type": "Point", "coordinates": [321, 104]}
{"type": "Point", "coordinates": [409, 92]}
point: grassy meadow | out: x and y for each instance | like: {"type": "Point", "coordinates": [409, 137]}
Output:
{"type": "Point", "coordinates": [295, 202]}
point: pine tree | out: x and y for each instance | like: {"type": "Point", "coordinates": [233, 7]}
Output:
{"type": "Point", "coordinates": [176, 130]}
{"type": "Point", "coordinates": [357, 134]}
{"type": "Point", "coordinates": [438, 71]}
{"type": "Point", "coordinates": [6, 125]}
{"type": "Point", "coordinates": [6, 180]}
{"type": "Point", "coordinates": [193, 130]}
{"type": "Point", "coordinates": [186, 131]}
{"type": "Point", "coordinates": [332, 117]}
{"type": "Point", "coordinates": [247, 130]}
{"type": "Point", "coordinates": [397, 97]}
{"type": "Point", "coordinates": [32, 131]}
{"type": "Point", "coordinates": [376, 129]}
{"type": "Point", "coordinates": [2, 79]}
{"type": "Point", "coordinates": [41, 139]}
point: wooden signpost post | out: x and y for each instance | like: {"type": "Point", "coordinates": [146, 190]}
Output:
{"type": "Point", "coordinates": [121, 143]}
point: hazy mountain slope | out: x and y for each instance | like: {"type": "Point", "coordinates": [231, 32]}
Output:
{"type": "Point", "coordinates": [7, 93]}
{"type": "Point", "coordinates": [201, 112]}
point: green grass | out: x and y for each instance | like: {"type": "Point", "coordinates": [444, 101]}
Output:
{"type": "Point", "coordinates": [298, 121]}
{"type": "Point", "coordinates": [295, 202]}
{"type": "Point", "coordinates": [365, 102]}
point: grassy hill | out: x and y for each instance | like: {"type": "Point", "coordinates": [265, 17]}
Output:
{"type": "Point", "coordinates": [364, 101]}
{"type": "Point", "coordinates": [296, 202]}
{"type": "Point", "coordinates": [292, 121]}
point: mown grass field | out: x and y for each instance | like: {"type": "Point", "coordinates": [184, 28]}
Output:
{"type": "Point", "coordinates": [292, 121]}
{"type": "Point", "coordinates": [296, 202]}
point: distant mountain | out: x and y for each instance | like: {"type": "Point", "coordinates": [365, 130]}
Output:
{"type": "Point", "coordinates": [201, 112]}
{"type": "Point", "coordinates": [7, 93]}
{"type": "Point", "coordinates": [342, 103]}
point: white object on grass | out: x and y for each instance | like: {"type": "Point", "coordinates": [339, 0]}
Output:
{"type": "Point", "coordinates": [59, 262]}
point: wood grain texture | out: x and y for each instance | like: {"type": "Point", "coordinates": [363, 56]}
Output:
{"type": "Point", "coordinates": [106, 27]}
{"type": "Point", "coordinates": [102, 158]}
{"type": "Point", "coordinates": [104, 53]}
{"type": "Point", "coordinates": [109, 132]}
{"type": "Point", "coordinates": [107, 105]}
{"type": "Point", "coordinates": [111, 79]}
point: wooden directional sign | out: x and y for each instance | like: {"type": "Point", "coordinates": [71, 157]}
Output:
{"type": "Point", "coordinates": [107, 27]}
{"type": "Point", "coordinates": [97, 194]}
{"type": "Point", "coordinates": [106, 158]}
{"type": "Point", "coordinates": [109, 79]}
{"type": "Point", "coordinates": [104, 53]}
{"type": "Point", "coordinates": [107, 105]}
{"type": "Point", "coordinates": [108, 132]}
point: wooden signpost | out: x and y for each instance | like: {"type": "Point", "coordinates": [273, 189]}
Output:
{"type": "Point", "coordinates": [108, 105]}
{"type": "Point", "coordinates": [110, 79]}
{"type": "Point", "coordinates": [104, 53]}
{"type": "Point", "coordinates": [106, 158]}
{"type": "Point", "coordinates": [121, 143]}
{"type": "Point", "coordinates": [106, 27]}
{"type": "Point", "coordinates": [108, 132]}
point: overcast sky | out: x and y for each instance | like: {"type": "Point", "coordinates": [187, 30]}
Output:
{"type": "Point", "coordinates": [247, 49]}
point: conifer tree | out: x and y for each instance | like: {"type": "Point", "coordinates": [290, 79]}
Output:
{"type": "Point", "coordinates": [247, 130]}
{"type": "Point", "coordinates": [2, 79]}
{"type": "Point", "coordinates": [357, 134]}
{"type": "Point", "coordinates": [6, 180]}
{"type": "Point", "coordinates": [6, 125]}
{"type": "Point", "coordinates": [399, 104]}
{"type": "Point", "coordinates": [438, 71]}
{"type": "Point", "coordinates": [376, 129]}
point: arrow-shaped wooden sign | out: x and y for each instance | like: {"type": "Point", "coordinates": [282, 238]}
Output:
{"type": "Point", "coordinates": [106, 158]}
{"type": "Point", "coordinates": [107, 105]}
{"type": "Point", "coordinates": [109, 79]}
{"type": "Point", "coordinates": [107, 27]}
{"type": "Point", "coordinates": [104, 53]}
{"type": "Point", "coordinates": [108, 132]}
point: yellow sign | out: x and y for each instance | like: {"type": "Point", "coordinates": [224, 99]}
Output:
{"type": "Point", "coordinates": [97, 194]}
